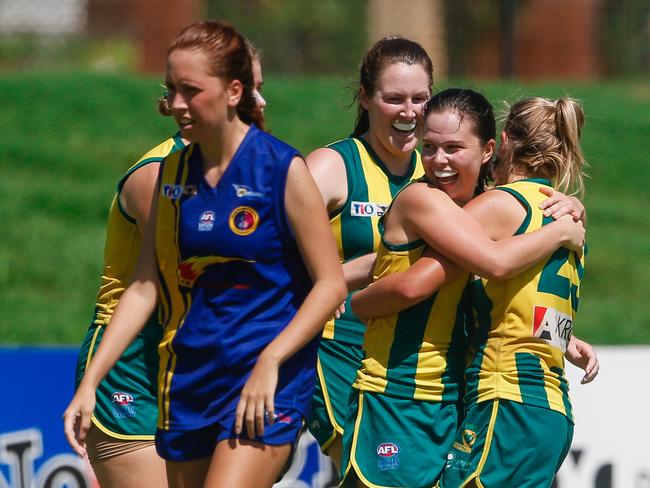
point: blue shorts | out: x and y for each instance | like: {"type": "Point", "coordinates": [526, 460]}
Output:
{"type": "Point", "coordinates": [190, 445]}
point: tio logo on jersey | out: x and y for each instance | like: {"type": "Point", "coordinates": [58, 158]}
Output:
{"type": "Point", "coordinates": [367, 209]}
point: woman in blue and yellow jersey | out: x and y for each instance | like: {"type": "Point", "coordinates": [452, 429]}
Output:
{"type": "Point", "coordinates": [405, 415]}
{"type": "Point", "coordinates": [239, 251]}
{"type": "Point", "coordinates": [121, 439]}
{"type": "Point", "coordinates": [120, 443]}
{"type": "Point", "coordinates": [358, 178]}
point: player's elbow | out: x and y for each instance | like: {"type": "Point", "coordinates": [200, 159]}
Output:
{"type": "Point", "coordinates": [340, 289]}
{"type": "Point", "coordinates": [497, 269]}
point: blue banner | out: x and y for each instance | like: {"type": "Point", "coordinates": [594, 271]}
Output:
{"type": "Point", "coordinates": [38, 383]}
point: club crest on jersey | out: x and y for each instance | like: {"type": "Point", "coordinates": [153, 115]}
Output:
{"type": "Point", "coordinates": [367, 209]}
{"type": "Point", "coordinates": [552, 326]}
{"type": "Point", "coordinates": [468, 438]}
{"type": "Point", "coordinates": [206, 221]}
{"type": "Point", "coordinates": [245, 191]}
{"type": "Point", "coordinates": [387, 456]}
{"type": "Point", "coordinates": [243, 221]}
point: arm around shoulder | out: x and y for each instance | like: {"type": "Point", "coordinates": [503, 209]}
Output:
{"type": "Point", "coordinates": [398, 291]}
{"type": "Point", "coordinates": [474, 247]}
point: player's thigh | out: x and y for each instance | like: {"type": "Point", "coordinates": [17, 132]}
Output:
{"type": "Point", "coordinates": [335, 452]}
{"type": "Point", "coordinates": [123, 462]}
{"type": "Point", "coordinates": [187, 474]}
{"type": "Point", "coordinates": [129, 469]}
{"type": "Point", "coordinates": [246, 464]}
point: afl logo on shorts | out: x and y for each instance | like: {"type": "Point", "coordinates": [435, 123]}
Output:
{"type": "Point", "coordinates": [243, 221]}
{"type": "Point", "coordinates": [387, 449]}
{"type": "Point", "coordinates": [122, 398]}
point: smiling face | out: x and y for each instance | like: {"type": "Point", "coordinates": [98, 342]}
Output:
{"type": "Point", "coordinates": [453, 154]}
{"type": "Point", "coordinates": [200, 103]}
{"type": "Point", "coordinates": [395, 108]}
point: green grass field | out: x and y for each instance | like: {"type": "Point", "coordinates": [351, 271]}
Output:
{"type": "Point", "coordinates": [65, 140]}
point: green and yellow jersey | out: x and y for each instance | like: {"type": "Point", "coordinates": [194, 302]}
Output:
{"type": "Point", "coordinates": [123, 240]}
{"type": "Point", "coordinates": [371, 189]}
{"type": "Point", "coordinates": [420, 352]}
{"type": "Point", "coordinates": [524, 323]}
{"type": "Point", "coordinates": [126, 398]}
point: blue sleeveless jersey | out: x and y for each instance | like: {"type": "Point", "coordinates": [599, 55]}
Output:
{"type": "Point", "coordinates": [231, 279]}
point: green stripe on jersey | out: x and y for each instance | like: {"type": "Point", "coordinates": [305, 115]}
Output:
{"type": "Point", "coordinates": [531, 379]}
{"type": "Point", "coordinates": [403, 362]}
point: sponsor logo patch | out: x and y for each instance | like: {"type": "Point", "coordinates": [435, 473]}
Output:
{"type": "Point", "coordinates": [552, 326]}
{"type": "Point", "coordinates": [450, 459]}
{"type": "Point", "coordinates": [283, 418]}
{"type": "Point", "coordinates": [387, 456]}
{"type": "Point", "coordinates": [175, 192]}
{"type": "Point", "coordinates": [245, 191]}
{"type": "Point", "coordinates": [367, 209]}
{"type": "Point", "coordinates": [206, 221]}
{"type": "Point", "coordinates": [243, 221]}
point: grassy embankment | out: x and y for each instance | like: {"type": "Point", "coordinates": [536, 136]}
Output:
{"type": "Point", "coordinates": [65, 140]}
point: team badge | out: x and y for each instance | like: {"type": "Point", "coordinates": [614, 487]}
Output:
{"type": "Point", "coordinates": [387, 456]}
{"type": "Point", "coordinates": [467, 440]}
{"type": "Point", "coordinates": [243, 221]}
{"type": "Point", "coordinates": [206, 221]}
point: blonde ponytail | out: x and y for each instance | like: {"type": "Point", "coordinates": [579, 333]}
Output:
{"type": "Point", "coordinates": [544, 141]}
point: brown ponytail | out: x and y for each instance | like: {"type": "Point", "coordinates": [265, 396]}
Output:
{"type": "Point", "coordinates": [229, 57]}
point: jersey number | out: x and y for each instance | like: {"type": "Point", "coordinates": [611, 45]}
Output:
{"type": "Point", "coordinates": [552, 282]}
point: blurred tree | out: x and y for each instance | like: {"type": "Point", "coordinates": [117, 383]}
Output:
{"type": "Point", "coordinates": [328, 36]}
{"type": "Point", "coordinates": [625, 37]}
{"type": "Point", "coordinates": [428, 27]}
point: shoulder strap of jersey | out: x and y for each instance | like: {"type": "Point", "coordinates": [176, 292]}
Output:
{"type": "Point", "coordinates": [380, 224]}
